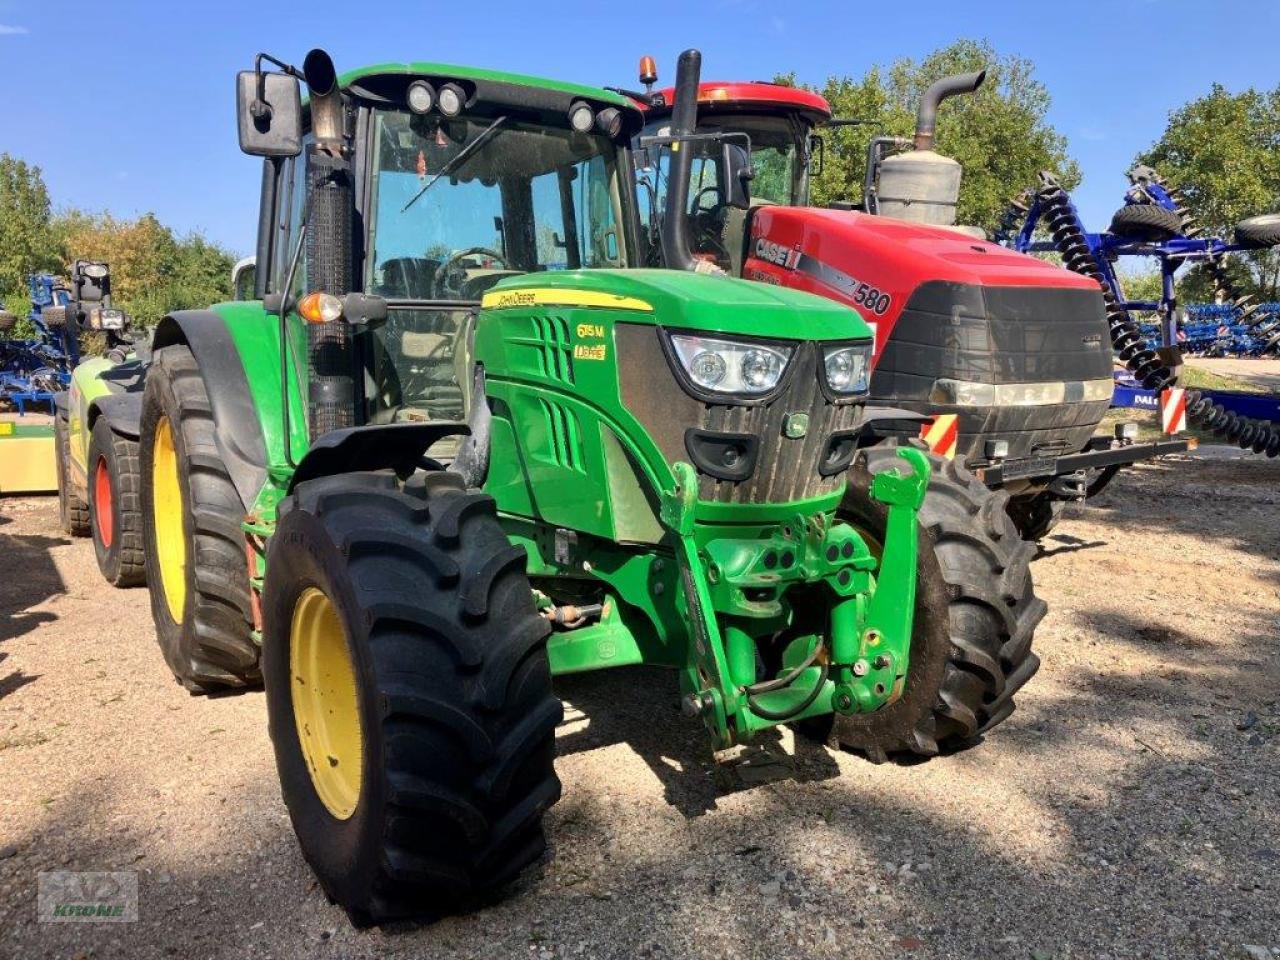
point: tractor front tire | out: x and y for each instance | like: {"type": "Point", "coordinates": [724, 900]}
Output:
{"type": "Point", "coordinates": [197, 573]}
{"type": "Point", "coordinates": [409, 694]}
{"type": "Point", "coordinates": [73, 513]}
{"type": "Point", "coordinates": [975, 615]}
{"type": "Point", "coordinates": [115, 506]}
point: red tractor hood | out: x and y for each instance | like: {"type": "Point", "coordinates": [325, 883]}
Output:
{"type": "Point", "coordinates": [874, 264]}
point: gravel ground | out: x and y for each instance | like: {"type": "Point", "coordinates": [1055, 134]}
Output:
{"type": "Point", "coordinates": [1130, 808]}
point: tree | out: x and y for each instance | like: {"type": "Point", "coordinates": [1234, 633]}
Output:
{"type": "Point", "coordinates": [25, 244]}
{"type": "Point", "coordinates": [1222, 151]}
{"type": "Point", "coordinates": [1000, 135]}
{"type": "Point", "coordinates": [152, 271]}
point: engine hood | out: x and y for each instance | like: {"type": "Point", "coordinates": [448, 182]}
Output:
{"type": "Point", "coordinates": [692, 301]}
{"type": "Point", "coordinates": [881, 249]}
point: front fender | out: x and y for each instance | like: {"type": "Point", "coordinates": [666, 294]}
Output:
{"type": "Point", "coordinates": [237, 426]}
{"type": "Point", "coordinates": [397, 446]}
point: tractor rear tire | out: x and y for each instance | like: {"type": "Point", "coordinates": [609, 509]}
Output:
{"type": "Point", "coordinates": [976, 613]}
{"type": "Point", "coordinates": [197, 573]}
{"type": "Point", "coordinates": [1036, 515]}
{"type": "Point", "coordinates": [115, 506]}
{"type": "Point", "coordinates": [1148, 222]}
{"type": "Point", "coordinates": [73, 513]}
{"type": "Point", "coordinates": [434, 663]}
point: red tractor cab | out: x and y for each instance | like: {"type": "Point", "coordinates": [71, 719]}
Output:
{"type": "Point", "coordinates": [1014, 352]}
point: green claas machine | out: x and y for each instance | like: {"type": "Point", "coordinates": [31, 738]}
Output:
{"type": "Point", "coordinates": [457, 444]}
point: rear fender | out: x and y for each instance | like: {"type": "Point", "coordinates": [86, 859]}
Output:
{"type": "Point", "coordinates": [237, 425]}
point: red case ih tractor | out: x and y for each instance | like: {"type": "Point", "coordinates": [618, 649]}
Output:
{"type": "Point", "coordinates": [1017, 351]}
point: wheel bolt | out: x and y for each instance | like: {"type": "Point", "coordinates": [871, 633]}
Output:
{"type": "Point", "coordinates": [860, 668]}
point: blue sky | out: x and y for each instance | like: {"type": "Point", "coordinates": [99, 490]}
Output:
{"type": "Point", "coordinates": [128, 105]}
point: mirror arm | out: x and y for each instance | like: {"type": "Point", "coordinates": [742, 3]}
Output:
{"type": "Point", "coordinates": [260, 108]}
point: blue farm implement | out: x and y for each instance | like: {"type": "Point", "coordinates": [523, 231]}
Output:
{"type": "Point", "coordinates": [33, 369]}
{"type": "Point", "coordinates": [1154, 223]}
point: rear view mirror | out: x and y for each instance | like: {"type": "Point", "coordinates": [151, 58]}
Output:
{"type": "Point", "coordinates": [244, 277]}
{"type": "Point", "coordinates": [269, 114]}
{"type": "Point", "coordinates": [738, 174]}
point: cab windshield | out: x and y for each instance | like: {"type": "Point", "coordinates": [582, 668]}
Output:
{"type": "Point", "coordinates": [775, 158]}
{"type": "Point", "coordinates": [457, 204]}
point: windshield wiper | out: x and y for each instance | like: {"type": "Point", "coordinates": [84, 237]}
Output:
{"type": "Point", "coordinates": [452, 165]}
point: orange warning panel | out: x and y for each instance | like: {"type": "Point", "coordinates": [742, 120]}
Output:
{"type": "Point", "coordinates": [942, 435]}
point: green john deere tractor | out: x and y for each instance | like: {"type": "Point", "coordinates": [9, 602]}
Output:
{"type": "Point", "coordinates": [457, 445]}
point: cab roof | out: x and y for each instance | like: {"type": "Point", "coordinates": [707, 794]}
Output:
{"type": "Point", "coordinates": [752, 95]}
{"type": "Point", "coordinates": [453, 71]}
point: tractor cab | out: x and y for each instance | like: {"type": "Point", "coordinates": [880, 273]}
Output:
{"type": "Point", "coordinates": [448, 180]}
{"type": "Point", "coordinates": [779, 122]}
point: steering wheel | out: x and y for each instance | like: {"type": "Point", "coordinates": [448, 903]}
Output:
{"type": "Point", "coordinates": [443, 286]}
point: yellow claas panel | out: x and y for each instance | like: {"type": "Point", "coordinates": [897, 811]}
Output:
{"type": "Point", "coordinates": [26, 459]}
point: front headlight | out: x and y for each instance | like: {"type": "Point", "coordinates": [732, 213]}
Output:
{"type": "Point", "coordinates": [848, 368]}
{"type": "Point", "coordinates": [730, 367]}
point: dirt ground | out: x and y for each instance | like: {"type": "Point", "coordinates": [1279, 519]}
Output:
{"type": "Point", "coordinates": [1129, 809]}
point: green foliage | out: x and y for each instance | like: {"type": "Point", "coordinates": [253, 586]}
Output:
{"type": "Point", "coordinates": [24, 227]}
{"type": "Point", "coordinates": [1222, 151]}
{"type": "Point", "coordinates": [152, 270]}
{"type": "Point", "coordinates": [1000, 134]}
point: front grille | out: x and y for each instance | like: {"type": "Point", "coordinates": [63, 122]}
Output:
{"type": "Point", "coordinates": [786, 469]}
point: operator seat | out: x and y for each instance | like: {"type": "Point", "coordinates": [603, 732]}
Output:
{"type": "Point", "coordinates": [406, 278]}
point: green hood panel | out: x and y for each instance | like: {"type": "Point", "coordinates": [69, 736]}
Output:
{"type": "Point", "coordinates": [691, 301]}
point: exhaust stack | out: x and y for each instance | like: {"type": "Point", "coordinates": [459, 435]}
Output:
{"type": "Point", "coordinates": [329, 249]}
{"type": "Point", "coordinates": [684, 121]}
{"type": "Point", "coordinates": [325, 100]}
{"type": "Point", "coordinates": [922, 186]}
{"type": "Point", "coordinates": [939, 90]}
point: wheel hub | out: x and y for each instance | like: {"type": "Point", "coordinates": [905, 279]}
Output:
{"type": "Point", "coordinates": [102, 506]}
{"type": "Point", "coordinates": [167, 512]}
{"type": "Point", "coordinates": [326, 707]}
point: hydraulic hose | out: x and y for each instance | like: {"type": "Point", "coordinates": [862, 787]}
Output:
{"type": "Point", "coordinates": [1063, 221]}
{"type": "Point", "coordinates": [780, 715]}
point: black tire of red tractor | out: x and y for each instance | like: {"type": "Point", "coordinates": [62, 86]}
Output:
{"type": "Point", "coordinates": [121, 561]}
{"type": "Point", "coordinates": [1035, 516]}
{"type": "Point", "coordinates": [456, 708]}
{"type": "Point", "coordinates": [1146, 221]}
{"type": "Point", "coordinates": [212, 648]}
{"type": "Point", "coordinates": [73, 513]}
{"type": "Point", "coordinates": [975, 615]}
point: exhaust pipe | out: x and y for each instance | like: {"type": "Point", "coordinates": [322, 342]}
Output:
{"type": "Point", "coordinates": [332, 399]}
{"type": "Point", "coordinates": [684, 121]}
{"type": "Point", "coordinates": [326, 101]}
{"type": "Point", "coordinates": [939, 90]}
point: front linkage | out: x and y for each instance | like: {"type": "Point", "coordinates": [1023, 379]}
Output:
{"type": "Point", "coordinates": [734, 593]}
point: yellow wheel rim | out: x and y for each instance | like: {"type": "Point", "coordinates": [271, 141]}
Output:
{"type": "Point", "coordinates": [325, 706]}
{"type": "Point", "coordinates": [168, 513]}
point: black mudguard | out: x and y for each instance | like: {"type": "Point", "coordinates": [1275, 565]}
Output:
{"type": "Point", "coordinates": [237, 429]}
{"type": "Point", "coordinates": [123, 413]}
{"type": "Point", "coordinates": [396, 446]}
